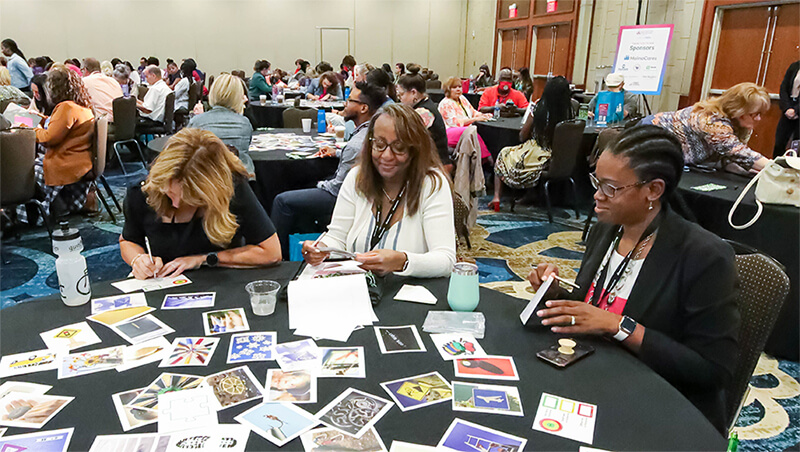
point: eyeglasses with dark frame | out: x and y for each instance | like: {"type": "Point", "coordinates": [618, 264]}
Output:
{"type": "Point", "coordinates": [607, 189]}
{"type": "Point", "coordinates": [398, 148]}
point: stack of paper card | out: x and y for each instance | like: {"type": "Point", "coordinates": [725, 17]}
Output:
{"type": "Point", "coordinates": [329, 308]}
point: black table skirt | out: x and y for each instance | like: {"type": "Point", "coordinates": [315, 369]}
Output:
{"type": "Point", "coordinates": [271, 114]}
{"type": "Point", "coordinates": [437, 95]}
{"type": "Point", "coordinates": [777, 233]}
{"type": "Point", "coordinates": [637, 409]}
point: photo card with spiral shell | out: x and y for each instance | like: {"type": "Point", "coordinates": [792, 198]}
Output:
{"type": "Point", "coordinates": [353, 412]}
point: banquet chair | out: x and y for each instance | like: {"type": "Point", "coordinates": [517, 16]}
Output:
{"type": "Point", "coordinates": [565, 154]}
{"type": "Point", "coordinates": [142, 91]}
{"type": "Point", "coordinates": [433, 84]}
{"type": "Point", "coordinates": [763, 287]}
{"type": "Point", "coordinates": [99, 146]}
{"type": "Point", "coordinates": [165, 128]}
{"type": "Point", "coordinates": [293, 117]}
{"type": "Point", "coordinates": [123, 130]}
{"type": "Point", "coordinates": [181, 117]}
{"type": "Point", "coordinates": [17, 181]}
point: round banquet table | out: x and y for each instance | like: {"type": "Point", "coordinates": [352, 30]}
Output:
{"type": "Point", "coordinates": [271, 114]}
{"type": "Point", "coordinates": [437, 95]}
{"type": "Point", "coordinates": [775, 233]}
{"type": "Point", "coordinates": [637, 409]}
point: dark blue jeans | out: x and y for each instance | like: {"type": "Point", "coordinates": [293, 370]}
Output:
{"type": "Point", "coordinates": [301, 211]}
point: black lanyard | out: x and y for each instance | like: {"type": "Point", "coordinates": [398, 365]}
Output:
{"type": "Point", "coordinates": [381, 229]}
{"type": "Point", "coordinates": [599, 288]}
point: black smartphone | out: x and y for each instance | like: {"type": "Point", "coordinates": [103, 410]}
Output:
{"type": "Point", "coordinates": [555, 357]}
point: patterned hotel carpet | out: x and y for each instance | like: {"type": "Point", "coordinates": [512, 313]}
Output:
{"type": "Point", "coordinates": [505, 246]}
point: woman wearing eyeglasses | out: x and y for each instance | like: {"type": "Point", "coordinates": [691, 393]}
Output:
{"type": "Point", "coordinates": [395, 209]}
{"type": "Point", "coordinates": [663, 287]}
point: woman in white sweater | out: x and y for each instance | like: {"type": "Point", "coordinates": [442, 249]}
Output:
{"type": "Point", "coordinates": [395, 210]}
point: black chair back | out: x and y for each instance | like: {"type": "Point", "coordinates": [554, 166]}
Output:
{"type": "Point", "coordinates": [124, 109]}
{"type": "Point", "coordinates": [169, 113]}
{"type": "Point", "coordinates": [194, 94]}
{"type": "Point", "coordinates": [566, 147]}
{"type": "Point", "coordinates": [433, 84]}
{"type": "Point", "coordinates": [142, 91]}
{"type": "Point", "coordinates": [17, 153]}
{"type": "Point", "coordinates": [293, 117]}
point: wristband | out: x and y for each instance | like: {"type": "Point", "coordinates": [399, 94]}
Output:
{"type": "Point", "coordinates": [405, 264]}
{"type": "Point", "coordinates": [137, 257]}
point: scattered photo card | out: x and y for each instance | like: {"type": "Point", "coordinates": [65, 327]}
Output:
{"type": "Point", "coordinates": [566, 418]}
{"type": "Point", "coordinates": [235, 386]}
{"type": "Point", "coordinates": [328, 439]}
{"type": "Point", "coordinates": [483, 398]}
{"type": "Point", "coordinates": [400, 446]}
{"type": "Point", "coordinates": [3, 431]}
{"type": "Point", "coordinates": [416, 392]}
{"type": "Point", "coordinates": [399, 339]}
{"type": "Point", "coordinates": [278, 423]}
{"type": "Point", "coordinates": [165, 382]}
{"type": "Point", "coordinates": [457, 345]}
{"type": "Point", "coordinates": [28, 362]}
{"type": "Point", "coordinates": [142, 329]}
{"type": "Point", "coordinates": [354, 412]}
{"type": "Point", "coordinates": [225, 321]}
{"type": "Point", "coordinates": [190, 351]}
{"type": "Point", "coordinates": [298, 355]}
{"type": "Point", "coordinates": [70, 337]}
{"type": "Point", "coordinates": [146, 352]}
{"type": "Point", "coordinates": [118, 302]}
{"type": "Point", "coordinates": [189, 300]}
{"type": "Point", "coordinates": [343, 362]}
{"type": "Point", "coordinates": [189, 409]}
{"type": "Point", "coordinates": [110, 318]}
{"type": "Point", "coordinates": [248, 347]}
{"type": "Point", "coordinates": [222, 438]}
{"type": "Point", "coordinates": [84, 363]}
{"type": "Point", "coordinates": [469, 437]}
{"type": "Point", "coordinates": [296, 386]}
{"type": "Point", "coordinates": [21, 409]}
{"type": "Point", "coordinates": [132, 417]}
{"type": "Point", "coordinates": [489, 367]}
{"type": "Point", "coordinates": [142, 442]}
{"type": "Point", "coordinates": [49, 441]}
{"type": "Point", "coordinates": [148, 285]}
{"type": "Point", "coordinates": [21, 386]}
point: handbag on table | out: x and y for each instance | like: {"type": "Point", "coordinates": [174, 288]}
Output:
{"type": "Point", "coordinates": [777, 183]}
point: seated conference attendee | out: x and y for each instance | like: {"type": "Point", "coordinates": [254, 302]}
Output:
{"type": "Point", "coordinates": [9, 92]}
{"type": "Point", "coordinates": [195, 208]}
{"type": "Point", "coordinates": [663, 287]}
{"type": "Point", "coordinates": [503, 93]}
{"type": "Point", "coordinates": [122, 75]}
{"type": "Point", "coordinates": [102, 88]}
{"type": "Point", "coordinates": [484, 79]}
{"type": "Point", "coordinates": [326, 87]}
{"type": "Point", "coordinates": [21, 73]}
{"type": "Point", "coordinates": [258, 82]}
{"type": "Point", "coordinates": [718, 129]}
{"type": "Point", "coordinates": [458, 114]}
{"type": "Point", "coordinates": [395, 210]}
{"type": "Point", "coordinates": [616, 84]}
{"type": "Point", "coordinates": [302, 210]}
{"type": "Point", "coordinates": [151, 108]}
{"type": "Point", "coordinates": [411, 92]}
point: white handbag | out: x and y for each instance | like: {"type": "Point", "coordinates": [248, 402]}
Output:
{"type": "Point", "coordinates": [778, 183]}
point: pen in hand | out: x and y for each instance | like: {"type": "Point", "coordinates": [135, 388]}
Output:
{"type": "Point", "coordinates": [150, 254]}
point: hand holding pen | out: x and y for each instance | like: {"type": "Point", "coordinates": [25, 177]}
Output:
{"type": "Point", "coordinates": [311, 254]}
{"type": "Point", "coordinates": [145, 266]}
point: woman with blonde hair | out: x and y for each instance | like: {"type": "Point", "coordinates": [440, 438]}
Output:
{"type": "Point", "coordinates": [10, 93]}
{"type": "Point", "coordinates": [225, 119]}
{"type": "Point", "coordinates": [716, 130]}
{"type": "Point", "coordinates": [458, 114]}
{"type": "Point", "coordinates": [195, 208]}
{"type": "Point", "coordinates": [395, 209]}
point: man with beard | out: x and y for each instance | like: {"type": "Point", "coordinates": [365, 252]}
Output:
{"type": "Point", "coordinates": [503, 93]}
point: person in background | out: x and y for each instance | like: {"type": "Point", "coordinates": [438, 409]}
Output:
{"type": "Point", "coordinates": [151, 108]}
{"type": "Point", "coordinates": [173, 75]}
{"type": "Point", "coordinates": [662, 287]}
{"type": "Point", "coordinates": [520, 166]}
{"type": "Point", "coordinates": [510, 99]}
{"type": "Point", "coordinates": [325, 88]}
{"type": "Point", "coordinates": [484, 79]}
{"type": "Point", "coordinates": [395, 209]}
{"type": "Point", "coordinates": [153, 61]}
{"type": "Point", "coordinates": [524, 83]}
{"type": "Point", "coordinates": [399, 70]}
{"type": "Point", "coordinates": [40, 103]}
{"type": "Point", "coordinates": [383, 79]}
{"type": "Point", "coordinates": [788, 128]}
{"type": "Point", "coordinates": [122, 74]}
{"type": "Point", "coordinates": [10, 93]}
{"type": "Point", "coordinates": [40, 64]}
{"type": "Point", "coordinates": [458, 114]}
{"type": "Point", "coordinates": [303, 210]}
{"type": "Point", "coordinates": [21, 73]}
{"type": "Point", "coordinates": [142, 65]}
{"type": "Point", "coordinates": [225, 119]}
{"type": "Point", "coordinates": [135, 76]}
{"type": "Point", "coordinates": [411, 92]}
{"type": "Point", "coordinates": [348, 63]}
{"type": "Point", "coordinates": [388, 69]}
{"type": "Point", "coordinates": [182, 107]}
{"type": "Point", "coordinates": [195, 208]}
{"type": "Point", "coordinates": [616, 84]}
{"type": "Point", "coordinates": [360, 72]}
{"type": "Point", "coordinates": [300, 65]}
{"type": "Point", "coordinates": [102, 88]}
{"type": "Point", "coordinates": [107, 68]}
{"type": "Point", "coordinates": [716, 130]}
{"type": "Point", "coordinates": [258, 82]}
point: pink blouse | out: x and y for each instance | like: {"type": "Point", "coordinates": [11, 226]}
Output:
{"type": "Point", "coordinates": [454, 113]}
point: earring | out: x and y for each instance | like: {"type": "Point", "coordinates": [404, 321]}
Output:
{"type": "Point", "coordinates": [651, 206]}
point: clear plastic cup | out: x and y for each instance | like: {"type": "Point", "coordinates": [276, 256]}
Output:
{"type": "Point", "coordinates": [263, 296]}
{"type": "Point", "coordinates": [306, 125]}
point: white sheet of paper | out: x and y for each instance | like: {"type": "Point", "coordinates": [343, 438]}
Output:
{"type": "Point", "coordinates": [184, 410]}
{"type": "Point", "coordinates": [566, 418]}
{"type": "Point", "coordinates": [415, 294]}
{"type": "Point", "coordinates": [234, 436]}
{"type": "Point", "coordinates": [400, 446]}
{"type": "Point", "coordinates": [70, 337]}
{"type": "Point", "coordinates": [148, 285]}
{"type": "Point", "coordinates": [21, 386]}
{"type": "Point", "coordinates": [534, 303]}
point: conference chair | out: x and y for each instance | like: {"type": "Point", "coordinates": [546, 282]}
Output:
{"type": "Point", "coordinates": [433, 84]}
{"type": "Point", "coordinates": [564, 156]}
{"type": "Point", "coordinates": [293, 117]}
{"type": "Point", "coordinates": [182, 117]}
{"type": "Point", "coordinates": [165, 128]}
{"type": "Point", "coordinates": [123, 130]}
{"type": "Point", "coordinates": [142, 91]}
{"type": "Point", "coordinates": [98, 149]}
{"type": "Point", "coordinates": [763, 287]}
{"type": "Point", "coordinates": [17, 180]}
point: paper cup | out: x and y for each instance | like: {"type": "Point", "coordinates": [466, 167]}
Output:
{"type": "Point", "coordinates": [306, 125]}
{"type": "Point", "coordinates": [339, 133]}
{"type": "Point", "coordinates": [263, 296]}
{"type": "Point", "coordinates": [263, 99]}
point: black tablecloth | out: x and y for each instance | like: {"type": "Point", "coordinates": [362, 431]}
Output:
{"type": "Point", "coordinates": [437, 95]}
{"type": "Point", "coordinates": [271, 114]}
{"type": "Point", "coordinates": [637, 409]}
{"type": "Point", "coordinates": [777, 233]}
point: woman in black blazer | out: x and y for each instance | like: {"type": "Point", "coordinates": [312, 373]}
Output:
{"type": "Point", "coordinates": [789, 125]}
{"type": "Point", "coordinates": [668, 286]}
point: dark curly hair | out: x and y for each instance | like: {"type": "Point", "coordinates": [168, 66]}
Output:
{"type": "Point", "coordinates": [64, 84]}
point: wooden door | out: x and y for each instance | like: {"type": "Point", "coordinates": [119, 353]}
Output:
{"type": "Point", "coordinates": [552, 54]}
{"type": "Point", "coordinates": [513, 46]}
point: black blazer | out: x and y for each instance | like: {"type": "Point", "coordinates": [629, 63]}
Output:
{"type": "Point", "coordinates": [786, 87]}
{"type": "Point", "coordinates": [686, 297]}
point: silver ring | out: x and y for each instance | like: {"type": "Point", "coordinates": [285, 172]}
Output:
{"type": "Point", "coordinates": [573, 320]}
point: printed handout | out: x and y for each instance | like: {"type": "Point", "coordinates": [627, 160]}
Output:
{"type": "Point", "coordinates": [118, 302]}
{"type": "Point", "coordinates": [142, 329]}
{"type": "Point", "coordinates": [488, 367]}
{"type": "Point", "coordinates": [21, 409]}
{"type": "Point", "coordinates": [84, 363]}
{"type": "Point", "coordinates": [419, 391]}
{"type": "Point", "coordinates": [298, 355]}
{"type": "Point", "coordinates": [165, 382]}
{"type": "Point", "coordinates": [23, 387]}
{"type": "Point", "coordinates": [149, 285]}
{"type": "Point", "coordinates": [70, 337]}
{"type": "Point", "coordinates": [29, 362]}
{"type": "Point", "coordinates": [49, 441]}
{"type": "Point", "coordinates": [110, 318]}
{"type": "Point", "coordinates": [566, 418]}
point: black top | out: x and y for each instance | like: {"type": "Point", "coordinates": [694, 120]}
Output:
{"type": "Point", "coordinates": [685, 296]}
{"type": "Point", "coordinates": [171, 240]}
{"type": "Point", "coordinates": [786, 101]}
{"type": "Point", "coordinates": [438, 131]}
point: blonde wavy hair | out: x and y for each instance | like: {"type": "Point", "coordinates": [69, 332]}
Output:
{"type": "Point", "coordinates": [227, 91]}
{"type": "Point", "coordinates": [738, 100]}
{"type": "Point", "coordinates": [205, 169]}
{"type": "Point", "coordinates": [5, 76]}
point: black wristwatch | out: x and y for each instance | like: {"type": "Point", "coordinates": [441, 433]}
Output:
{"type": "Point", "coordinates": [212, 260]}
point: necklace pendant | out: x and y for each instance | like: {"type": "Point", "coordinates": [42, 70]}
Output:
{"type": "Point", "coordinates": [611, 298]}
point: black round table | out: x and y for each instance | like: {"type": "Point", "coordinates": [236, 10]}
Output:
{"type": "Point", "coordinates": [271, 114]}
{"type": "Point", "coordinates": [637, 409]}
{"type": "Point", "coordinates": [776, 233]}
